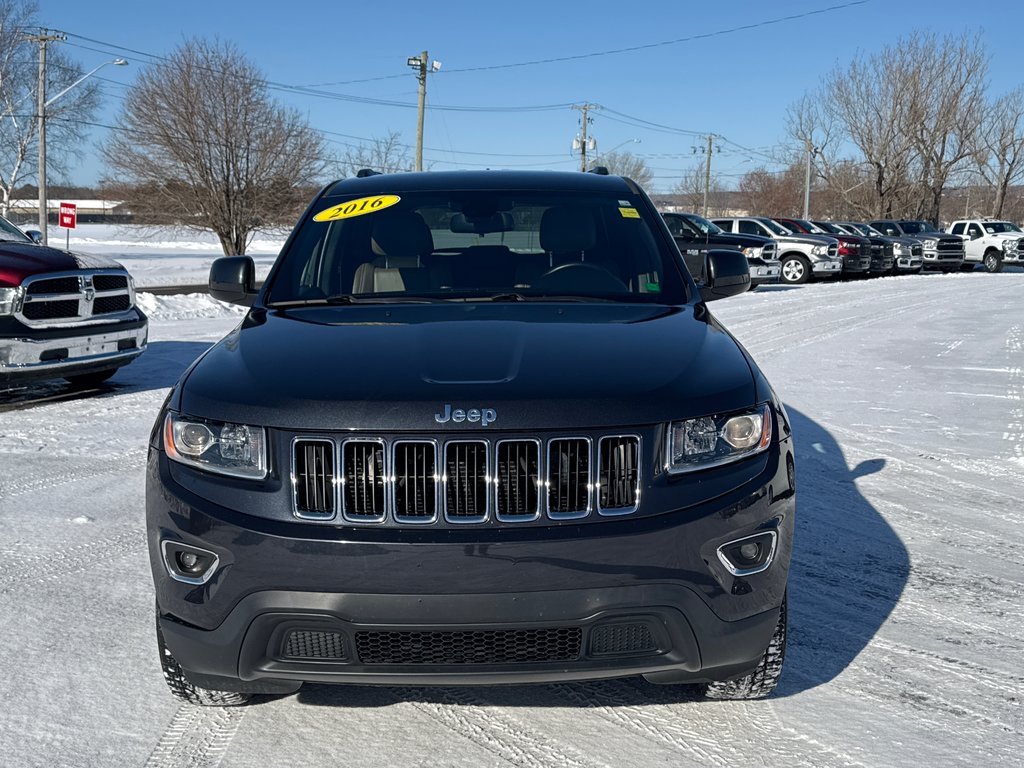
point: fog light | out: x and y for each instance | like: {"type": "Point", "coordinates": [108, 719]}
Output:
{"type": "Point", "coordinates": [188, 561]}
{"type": "Point", "coordinates": [750, 551]}
{"type": "Point", "coordinates": [749, 555]}
{"type": "Point", "coordinates": [188, 564]}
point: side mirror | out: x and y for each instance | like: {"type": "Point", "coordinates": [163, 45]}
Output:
{"type": "Point", "coordinates": [35, 235]}
{"type": "Point", "coordinates": [726, 273]}
{"type": "Point", "coordinates": [233, 279]}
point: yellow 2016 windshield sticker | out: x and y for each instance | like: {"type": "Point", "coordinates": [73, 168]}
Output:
{"type": "Point", "coordinates": [358, 207]}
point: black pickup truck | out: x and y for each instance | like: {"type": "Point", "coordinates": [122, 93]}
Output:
{"type": "Point", "coordinates": [695, 235]}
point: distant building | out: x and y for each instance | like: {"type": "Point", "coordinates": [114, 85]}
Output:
{"type": "Point", "coordinates": [24, 211]}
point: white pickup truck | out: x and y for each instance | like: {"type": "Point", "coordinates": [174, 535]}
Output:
{"type": "Point", "coordinates": [990, 243]}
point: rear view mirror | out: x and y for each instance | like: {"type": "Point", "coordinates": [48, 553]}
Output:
{"type": "Point", "coordinates": [498, 221]}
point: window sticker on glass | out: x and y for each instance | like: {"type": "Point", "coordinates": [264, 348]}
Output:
{"type": "Point", "coordinates": [358, 207]}
{"type": "Point", "coordinates": [629, 213]}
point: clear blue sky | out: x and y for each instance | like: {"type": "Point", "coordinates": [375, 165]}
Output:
{"type": "Point", "coordinates": [736, 83]}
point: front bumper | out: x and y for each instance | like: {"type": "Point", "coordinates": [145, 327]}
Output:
{"type": "Point", "coordinates": [654, 578]}
{"type": "Point", "coordinates": [946, 260]}
{"type": "Point", "coordinates": [827, 267]}
{"type": "Point", "coordinates": [856, 264]}
{"type": "Point", "coordinates": [908, 264]}
{"type": "Point", "coordinates": [30, 354]}
{"type": "Point", "coordinates": [764, 272]}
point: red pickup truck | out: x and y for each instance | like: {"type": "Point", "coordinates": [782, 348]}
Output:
{"type": "Point", "coordinates": [64, 315]}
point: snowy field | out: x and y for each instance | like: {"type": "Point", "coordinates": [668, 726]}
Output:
{"type": "Point", "coordinates": [161, 256]}
{"type": "Point", "coordinates": [906, 595]}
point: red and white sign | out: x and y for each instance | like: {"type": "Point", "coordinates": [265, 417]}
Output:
{"type": "Point", "coordinates": [68, 215]}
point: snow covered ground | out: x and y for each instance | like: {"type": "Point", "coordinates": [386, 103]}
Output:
{"type": "Point", "coordinates": [906, 595]}
{"type": "Point", "coordinates": [160, 256]}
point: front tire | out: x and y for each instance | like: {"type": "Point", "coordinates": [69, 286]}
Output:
{"type": "Point", "coordinates": [796, 270]}
{"type": "Point", "coordinates": [181, 688]}
{"type": "Point", "coordinates": [762, 681]}
{"type": "Point", "coordinates": [993, 261]}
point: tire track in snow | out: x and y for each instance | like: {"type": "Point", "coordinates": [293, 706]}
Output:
{"type": "Point", "coordinates": [17, 570]}
{"type": "Point", "coordinates": [465, 714]}
{"type": "Point", "coordinates": [704, 732]}
{"type": "Point", "coordinates": [196, 736]}
{"type": "Point", "coordinates": [1015, 390]}
{"type": "Point", "coordinates": [113, 465]}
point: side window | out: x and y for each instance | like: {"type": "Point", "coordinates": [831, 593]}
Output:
{"type": "Point", "coordinates": [958, 228]}
{"type": "Point", "coordinates": [724, 224]}
{"type": "Point", "coordinates": [750, 228]}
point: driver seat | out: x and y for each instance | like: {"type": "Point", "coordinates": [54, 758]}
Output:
{"type": "Point", "coordinates": [566, 234]}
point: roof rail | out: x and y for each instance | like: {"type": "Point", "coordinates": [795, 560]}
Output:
{"type": "Point", "coordinates": [600, 170]}
{"type": "Point", "coordinates": [362, 173]}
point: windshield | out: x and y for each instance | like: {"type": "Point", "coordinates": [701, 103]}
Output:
{"type": "Point", "coordinates": [10, 232]}
{"type": "Point", "coordinates": [427, 246]}
{"type": "Point", "coordinates": [916, 227]}
{"type": "Point", "coordinates": [705, 226]}
{"type": "Point", "coordinates": [829, 227]}
{"type": "Point", "coordinates": [998, 227]}
{"type": "Point", "coordinates": [775, 227]}
{"type": "Point", "coordinates": [865, 229]}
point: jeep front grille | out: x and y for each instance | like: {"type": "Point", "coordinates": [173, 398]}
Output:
{"type": "Point", "coordinates": [465, 481]}
{"type": "Point", "coordinates": [476, 480]}
{"type": "Point", "coordinates": [414, 470]}
{"type": "Point", "coordinates": [364, 483]}
{"type": "Point", "coordinates": [618, 475]}
{"type": "Point", "coordinates": [518, 479]}
{"type": "Point", "coordinates": [75, 298]}
{"type": "Point", "coordinates": [569, 478]}
{"type": "Point", "coordinates": [313, 478]}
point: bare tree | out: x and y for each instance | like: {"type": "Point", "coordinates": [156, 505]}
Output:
{"type": "Point", "coordinates": [690, 190]}
{"type": "Point", "coordinates": [19, 79]}
{"type": "Point", "coordinates": [203, 143]}
{"type": "Point", "coordinates": [386, 154]}
{"type": "Point", "coordinates": [1000, 147]}
{"type": "Point", "coordinates": [627, 164]}
{"type": "Point", "coordinates": [913, 111]}
{"type": "Point", "coordinates": [774, 194]}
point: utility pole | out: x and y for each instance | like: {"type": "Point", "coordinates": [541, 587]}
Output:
{"type": "Point", "coordinates": [707, 174]}
{"type": "Point", "coordinates": [42, 39]}
{"type": "Point", "coordinates": [584, 109]}
{"type": "Point", "coordinates": [807, 178]}
{"type": "Point", "coordinates": [419, 63]}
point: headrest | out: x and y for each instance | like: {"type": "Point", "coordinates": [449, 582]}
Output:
{"type": "Point", "coordinates": [567, 229]}
{"type": "Point", "coordinates": [400, 235]}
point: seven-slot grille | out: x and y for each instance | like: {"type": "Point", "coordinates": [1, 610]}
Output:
{"type": "Point", "coordinates": [74, 298]}
{"type": "Point", "coordinates": [466, 480]}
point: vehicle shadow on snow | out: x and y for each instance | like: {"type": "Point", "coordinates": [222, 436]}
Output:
{"type": "Point", "coordinates": [848, 571]}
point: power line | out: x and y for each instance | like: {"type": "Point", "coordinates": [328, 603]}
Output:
{"type": "Point", "coordinates": [677, 41]}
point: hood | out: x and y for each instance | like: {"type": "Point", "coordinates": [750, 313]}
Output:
{"type": "Point", "coordinates": [808, 239]}
{"type": "Point", "coordinates": [538, 366]}
{"type": "Point", "coordinates": [21, 260]}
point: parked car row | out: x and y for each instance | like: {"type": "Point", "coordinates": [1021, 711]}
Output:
{"type": "Point", "coordinates": [799, 250]}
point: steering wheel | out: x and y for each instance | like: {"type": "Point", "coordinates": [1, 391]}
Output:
{"type": "Point", "coordinates": [580, 276]}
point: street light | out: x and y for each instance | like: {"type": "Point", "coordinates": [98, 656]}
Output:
{"type": "Point", "coordinates": [43, 104]}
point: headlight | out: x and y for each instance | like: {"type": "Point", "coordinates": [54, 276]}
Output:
{"type": "Point", "coordinates": [752, 252]}
{"type": "Point", "coordinates": [10, 300]}
{"type": "Point", "coordinates": [227, 449]}
{"type": "Point", "coordinates": [1008, 245]}
{"type": "Point", "coordinates": [819, 250]}
{"type": "Point", "coordinates": [713, 440]}
{"type": "Point", "coordinates": [931, 243]}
